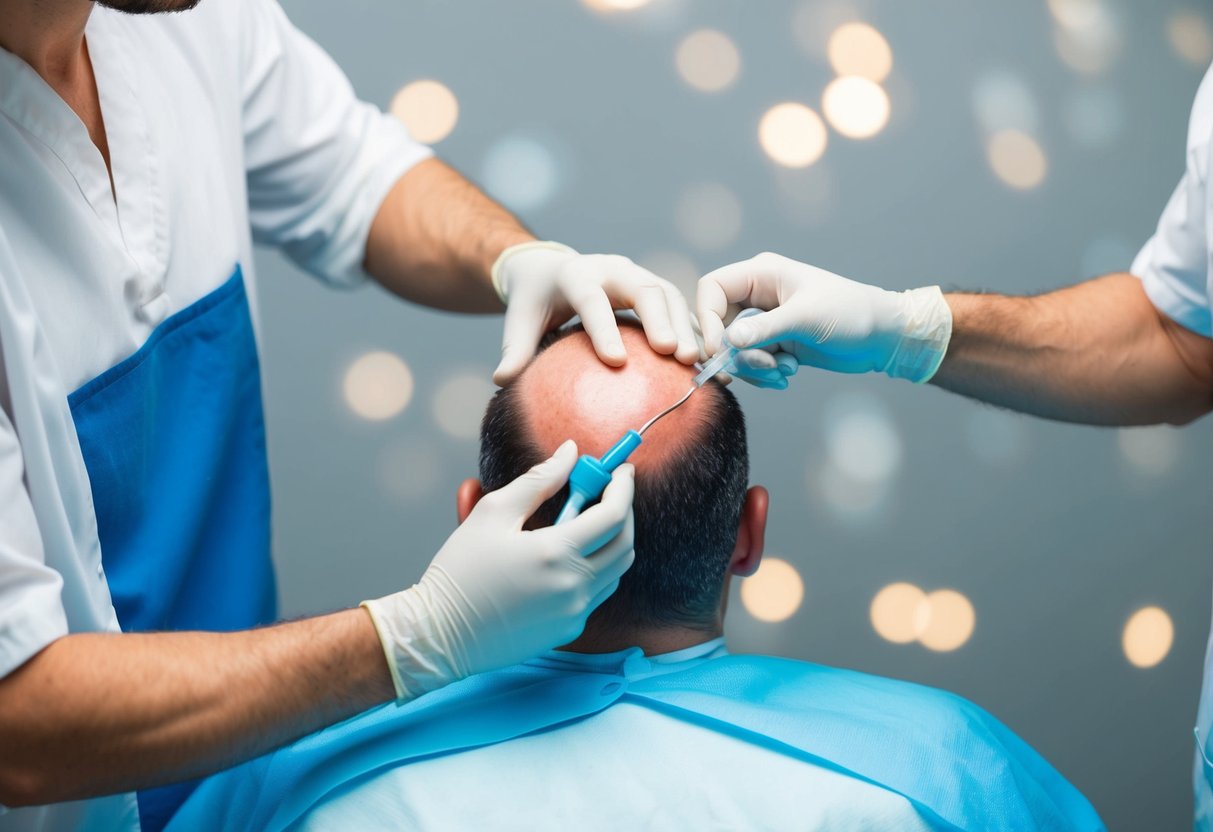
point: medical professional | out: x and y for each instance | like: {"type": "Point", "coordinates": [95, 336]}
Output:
{"type": "Point", "coordinates": [141, 156]}
{"type": "Point", "coordinates": [1124, 349]}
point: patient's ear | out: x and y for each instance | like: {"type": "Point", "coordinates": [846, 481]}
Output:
{"type": "Point", "coordinates": [751, 533]}
{"type": "Point", "coordinates": [466, 497]}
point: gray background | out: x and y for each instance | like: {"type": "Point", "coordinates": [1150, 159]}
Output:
{"type": "Point", "coordinates": [1051, 530]}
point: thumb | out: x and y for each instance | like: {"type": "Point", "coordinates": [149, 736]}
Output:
{"type": "Point", "coordinates": [525, 495]}
{"type": "Point", "coordinates": [759, 330]}
{"type": "Point", "coordinates": [522, 331]}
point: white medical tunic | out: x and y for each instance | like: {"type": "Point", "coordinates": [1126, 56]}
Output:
{"type": "Point", "coordinates": [225, 125]}
{"type": "Point", "coordinates": [1174, 267]}
{"type": "Point", "coordinates": [593, 774]}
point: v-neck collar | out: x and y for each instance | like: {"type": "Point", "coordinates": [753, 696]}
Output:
{"type": "Point", "coordinates": [132, 211]}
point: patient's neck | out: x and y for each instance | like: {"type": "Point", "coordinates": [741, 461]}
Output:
{"type": "Point", "coordinates": [652, 640]}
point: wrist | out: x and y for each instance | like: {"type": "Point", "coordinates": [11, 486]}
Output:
{"type": "Point", "coordinates": [499, 273]}
{"type": "Point", "coordinates": [415, 631]}
{"type": "Point", "coordinates": [924, 322]}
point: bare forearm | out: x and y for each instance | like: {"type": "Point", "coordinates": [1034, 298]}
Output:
{"type": "Point", "coordinates": [101, 713]}
{"type": "Point", "coordinates": [436, 238]}
{"type": "Point", "coordinates": [1097, 353]}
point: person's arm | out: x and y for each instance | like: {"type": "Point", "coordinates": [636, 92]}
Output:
{"type": "Point", "coordinates": [100, 713]}
{"type": "Point", "coordinates": [1098, 352]}
{"type": "Point", "coordinates": [92, 714]}
{"type": "Point", "coordinates": [436, 237]}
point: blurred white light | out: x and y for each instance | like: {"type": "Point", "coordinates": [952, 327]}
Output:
{"type": "Point", "coordinates": [1088, 37]}
{"type": "Point", "coordinates": [676, 268]}
{"type": "Point", "coordinates": [774, 592]}
{"type": "Point", "coordinates": [858, 504]}
{"type": "Point", "coordinates": [856, 107]}
{"type": "Point", "coordinates": [996, 437]}
{"type": "Point", "coordinates": [1190, 37]}
{"type": "Point", "coordinates": [1094, 117]}
{"type": "Point", "coordinates": [378, 386]}
{"type": "Point", "coordinates": [459, 404]}
{"type": "Point", "coordinates": [410, 470]}
{"type": "Point", "coordinates": [1151, 451]}
{"type": "Point", "coordinates": [1003, 101]}
{"type": "Point", "coordinates": [428, 109]}
{"type": "Point", "coordinates": [944, 620]}
{"type": "Point", "coordinates": [521, 172]}
{"type": "Point", "coordinates": [792, 135]}
{"type": "Point", "coordinates": [708, 216]}
{"type": "Point", "coordinates": [894, 611]}
{"type": "Point", "coordinates": [1105, 256]}
{"type": "Point", "coordinates": [1075, 14]}
{"type": "Point", "coordinates": [861, 441]}
{"type": "Point", "coordinates": [708, 60]}
{"type": "Point", "coordinates": [615, 5]}
{"type": "Point", "coordinates": [859, 49]}
{"type": "Point", "coordinates": [1017, 159]}
{"type": "Point", "coordinates": [1147, 637]}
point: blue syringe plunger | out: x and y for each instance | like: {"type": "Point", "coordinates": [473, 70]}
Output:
{"type": "Point", "coordinates": [591, 476]}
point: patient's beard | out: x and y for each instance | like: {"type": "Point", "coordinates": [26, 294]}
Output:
{"type": "Point", "coordinates": [148, 6]}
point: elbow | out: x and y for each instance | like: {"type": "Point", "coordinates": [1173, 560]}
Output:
{"type": "Point", "coordinates": [22, 785]}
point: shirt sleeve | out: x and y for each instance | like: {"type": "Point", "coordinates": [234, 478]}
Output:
{"type": "Point", "coordinates": [1174, 264]}
{"type": "Point", "coordinates": [31, 605]}
{"type": "Point", "coordinates": [319, 162]}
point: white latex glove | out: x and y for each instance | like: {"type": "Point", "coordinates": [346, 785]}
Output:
{"type": "Point", "coordinates": [821, 320]}
{"type": "Point", "coordinates": [544, 284]}
{"type": "Point", "coordinates": [495, 594]}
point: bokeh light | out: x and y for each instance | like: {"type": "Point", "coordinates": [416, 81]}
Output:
{"type": "Point", "coordinates": [856, 107]}
{"type": "Point", "coordinates": [459, 404]}
{"type": "Point", "coordinates": [378, 386]}
{"type": "Point", "coordinates": [708, 216]}
{"type": "Point", "coordinates": [615, 5]}
{"type": "Point", "coordinates": [792, 135]}
{"type": "Point", "coordinates": [774, 592]}
{"type": "Point", "coordinates": [410, 469]}
{"type": "Point", "coordinates": [893, 612]}
{"type": "Point", "coordinates": [944, 620]}
{"type": "Point", "coordinates": [856, 48]}
{"type": "Point", "coordinates": [1148, 637]}
{"type": "Point", "coordinates": [708, 60]}
{"type": "Point", "coordinates": [1017, 159]}
{"type": "Point", "coordinates": [1002, 101]}
{"type": "Point", "coordinates": [1094, 117]}
{"type": "Point", "coordinates": [428, 109]}
{"type": "Point", "coordinates": [1190, 37]}
{"type": "Point", "coordinates": [861, 440]}
{"type": "Point", "coordinates": [1088, 36]}
{"type": "Point", "coordinates": [1150, 451]}
{"type": "Point", "coordinates": [522, 172]}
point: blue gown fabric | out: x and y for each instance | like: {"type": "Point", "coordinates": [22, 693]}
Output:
{"type": "Point", "coordinates": [173, 439]}
{"type": "Point", "coordinates": [959, 767]}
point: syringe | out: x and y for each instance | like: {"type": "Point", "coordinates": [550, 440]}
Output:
{"type": "Point", "coordinates": [590, 476]}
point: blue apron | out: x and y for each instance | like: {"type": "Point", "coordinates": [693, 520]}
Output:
{"type": "Point", "coordinates": [174, 442]}
{"type": "Point", "coordinates": [959, 767]}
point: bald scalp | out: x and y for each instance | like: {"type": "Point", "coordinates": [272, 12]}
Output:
{"type": "Point", "coordinates": [691, 472]}
{"type": "Point", "coordinates": [568, 393]}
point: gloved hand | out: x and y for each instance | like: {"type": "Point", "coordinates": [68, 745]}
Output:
{"type": "Point", "coordinates": [495, 594]}
{"type": "Point", "coordinates": [821, 320]}
{"type": "Point", "coordinates": [543, 284]}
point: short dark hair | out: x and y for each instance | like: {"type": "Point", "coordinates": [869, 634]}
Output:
{"type": "Point", "coordinates": [687, 514]}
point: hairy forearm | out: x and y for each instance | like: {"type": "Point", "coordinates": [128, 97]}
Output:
{"type": "Point", "coordinates": [101, 713]}
{"type": "Point", "coordinates": [436, 237]}
{"type": "Point", "coordinates": [1098, 353]}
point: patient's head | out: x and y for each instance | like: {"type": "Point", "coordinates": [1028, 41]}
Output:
{"type": "Point", "coordinates": [696, 522]}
